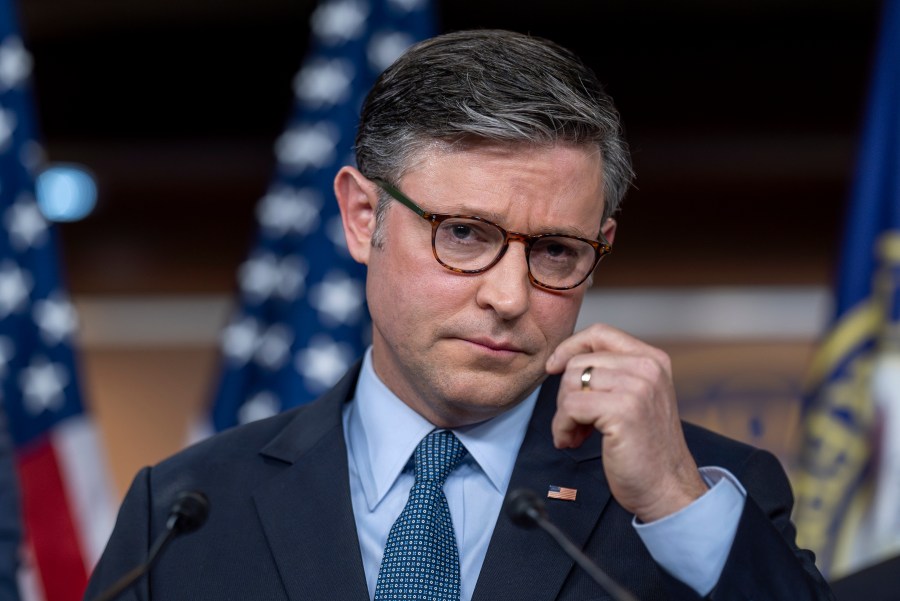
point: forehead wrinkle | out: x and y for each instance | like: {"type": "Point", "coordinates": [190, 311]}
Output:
{"type": "Point", "coordinates": [514, 191]}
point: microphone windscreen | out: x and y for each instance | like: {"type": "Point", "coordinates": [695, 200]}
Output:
{"type": "Point", "coordinates": [189, 511]}
{"type": "Point", "coordinates": [524, 507]}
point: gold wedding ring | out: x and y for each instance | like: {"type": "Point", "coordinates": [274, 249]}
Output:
{"type": "Point", "coordinates": [586, 378]}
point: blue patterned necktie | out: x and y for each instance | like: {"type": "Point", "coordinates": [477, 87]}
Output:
{"type": "Point", "coordinates": [421, 559]}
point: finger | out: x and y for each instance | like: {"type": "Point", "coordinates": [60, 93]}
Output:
{"type": "Point", "coordinates": [570, 428]}
{"type": "Point", "coordinates": [592, 374]}
{"type": "Point", "coordinates": [598, 337]}
{"type": "Point", "coordinates": [577, 416]}
{"type": "Point", "coordinates": [572, 436]}
{"type": "Point", "coordinates": [613, 372]}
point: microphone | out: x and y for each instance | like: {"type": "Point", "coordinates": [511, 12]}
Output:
{"type": "Point", "coordinates": [527, 510]}
{"type": "Point", "coordinates": [187, 514]}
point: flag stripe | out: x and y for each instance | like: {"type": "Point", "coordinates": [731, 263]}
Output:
{"type": "Point", "coordinates": [49, 524]}
{"type": "Point", "coordinates": [84, 474]}
{"type": "Point", "coordinates": [63, 482]}
{"type": "Point", "coordinates": [561, 492]}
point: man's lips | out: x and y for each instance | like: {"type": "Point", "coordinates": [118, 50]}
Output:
{"type": "Point", "coordinates": [493, 345]}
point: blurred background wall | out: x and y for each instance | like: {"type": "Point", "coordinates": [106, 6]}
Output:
{"type": "Point", "coordinates": [743, 119]}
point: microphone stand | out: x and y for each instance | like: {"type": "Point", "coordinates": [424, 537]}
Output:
{"type": "Point", "coordinates": [131, 577]}
{"type": "Point", "coordinates": [187, 514]}
{"type": "Point", "coordinates": [526, 510]}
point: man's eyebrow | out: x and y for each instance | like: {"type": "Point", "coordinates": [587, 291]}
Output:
{"type": "Point", "coordinates": [499, 219]}
{"type": "Point", "coordinates": [566, 230]}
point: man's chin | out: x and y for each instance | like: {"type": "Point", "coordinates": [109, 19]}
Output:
{"type": "Point", "coordinates": [478, 395]}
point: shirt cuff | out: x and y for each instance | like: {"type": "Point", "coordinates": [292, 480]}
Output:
{"type": "Point", "coordinates": [693, 544]}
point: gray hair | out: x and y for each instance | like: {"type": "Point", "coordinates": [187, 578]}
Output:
{"type": "Point", "coordinates": [488, 85]}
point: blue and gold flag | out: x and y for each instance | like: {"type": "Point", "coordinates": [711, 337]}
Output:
{"type": "Point", "coordinates": [849, 479]}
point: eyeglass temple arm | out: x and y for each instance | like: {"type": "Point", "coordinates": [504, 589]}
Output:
{"type": "Point", "coordinates": [399, 196]}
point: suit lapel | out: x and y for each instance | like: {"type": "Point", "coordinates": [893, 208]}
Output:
{"type": "Point", "coordinates": [306, 511]}
{"type": "Point", "coordinates": [527, 564]}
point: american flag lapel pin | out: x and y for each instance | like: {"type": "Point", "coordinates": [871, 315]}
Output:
{"type": "Point", "coordinates": [561, 492]}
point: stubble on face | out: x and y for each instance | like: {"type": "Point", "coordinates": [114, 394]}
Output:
{"type": "Point", "coordinates": [451, 380]}
{"type": "Point", "coordinates": [460, 349]}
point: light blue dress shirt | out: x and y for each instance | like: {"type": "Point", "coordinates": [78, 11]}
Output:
{"type": "Point", "coordinates": [382, 433]}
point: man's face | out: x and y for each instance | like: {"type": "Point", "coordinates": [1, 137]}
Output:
{"type": "Point", "coordinates": [461, 348]}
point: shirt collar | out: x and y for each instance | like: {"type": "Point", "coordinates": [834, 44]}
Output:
{"type": "Point", "coordinates": [383, 432]}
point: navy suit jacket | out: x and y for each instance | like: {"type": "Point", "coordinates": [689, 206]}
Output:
{"type": "Point", "coordinates": [281, 525]}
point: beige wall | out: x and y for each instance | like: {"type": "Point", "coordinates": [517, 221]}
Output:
{"type": "Point", "coordinates": [145, 400]}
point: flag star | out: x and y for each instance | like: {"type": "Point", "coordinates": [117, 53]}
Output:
{"type": "Point", "coordinates": [339, 21]}
{"type": "Point", "coordinates": [323, 362]}
{"type": "Point", "coordinates": [307, 146]}
{"type": "Point", "coordinates": [406, 6]}
{"type": "Point", "coordinates": [32, 156]}
{"type": "Point", "coordinates": [386, 47]}
{"type": "Point", "coordinates": [262, 405]}
{"type": "Point", "coordinates": [15, 63]}
{"type": "Point", "coordinates": [324, 83]}
{"type": "Point", "coordinates": [43, 384]}
{"type": "Point", "coordinates": [240, 339]}
{"type": "Point", "coordinates": [274, 346]}
{"type": "Point", "coordinates": [27, 227]}
{"type": "Point", "coordinates": [7, 352]}
{"type": "Point", "coordinates": [338, 298]}
{"type": "Point", "coordinates": [56, 319]}
{"type": "Point", "coordinates": [263, 276]}
{"type": "Point", "coordinates": [292, 277]}
{"type": "Point", "coordinates": [286, 209]}
{"type": "Point", "coordinates": [8, 124]}
{"type": "Point", "coordinates": [15, 285]}
{"type": "Point", "coordinates": [258, 277]}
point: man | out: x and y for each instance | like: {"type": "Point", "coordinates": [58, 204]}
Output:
{"type": "Point", "coordinates": [489, 165]}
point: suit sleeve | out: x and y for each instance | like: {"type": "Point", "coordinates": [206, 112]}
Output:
{"type": "Point", "coordinates": [764, 561]}
{"type": "Point", "coordinates": [128, 545]}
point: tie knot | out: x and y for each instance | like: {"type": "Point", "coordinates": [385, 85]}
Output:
{"type": "Point", "coordinates": [437, 455]}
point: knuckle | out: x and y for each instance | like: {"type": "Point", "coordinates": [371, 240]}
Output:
{"type": "Point", "coordinates": [643, 389]}
{"type": "Point", "coordinates": [655, 366]}
{"type": "Point", "coordinates": [594, 330]}
{"type": "Point", "coordinates": [599, 329]}
{"type": "Point", "coordinates": [664, 360]}
{"type": "Point", "coordinates": [632, 407]}
{"type": "Point", "coordinates": [649, 366]}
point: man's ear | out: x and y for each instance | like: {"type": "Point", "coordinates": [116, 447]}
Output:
{"type": "Point", "coordinates": [609, 229]}
{"type": "Point", "coordinates": [357, 199]}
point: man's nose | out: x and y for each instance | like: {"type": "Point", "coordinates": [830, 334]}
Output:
{"type": "Point", "coordinates": [506, 287]}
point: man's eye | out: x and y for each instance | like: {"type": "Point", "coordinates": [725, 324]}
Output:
{"type": "Point", "coordinates": [461, 232]}
{"type": "Point", "coordinates": [558, 250]}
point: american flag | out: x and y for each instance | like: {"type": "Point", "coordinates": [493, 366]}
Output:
{"type": "Point", "coordinates": [67, 504]}
{"type": "Point", "coordinates": [302, 318]}
{"type": "Point", "coordinates": [561, 492]}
